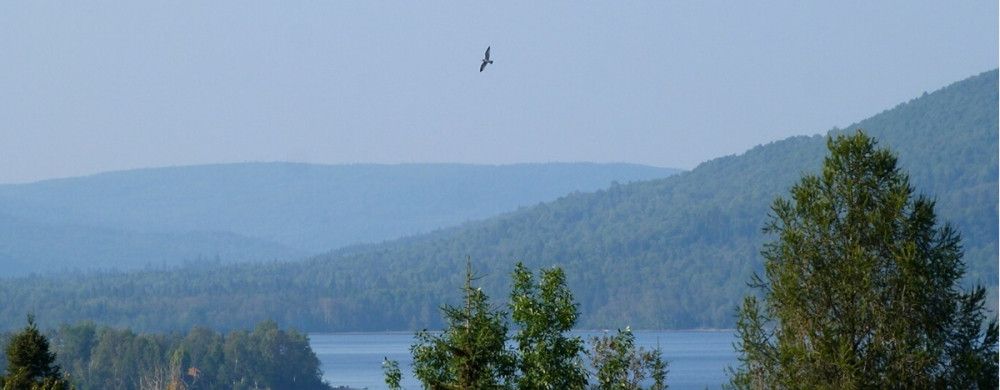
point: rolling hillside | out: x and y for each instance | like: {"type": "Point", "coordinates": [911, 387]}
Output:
{"type": "Point", "coordinates": [263, 211]}
{"type": "Point", "coordinates": [668, 253]}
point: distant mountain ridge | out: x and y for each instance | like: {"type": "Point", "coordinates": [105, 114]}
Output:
{"type": "Point", "coordinates": [264, 211]}
{"type": "Point", "coordinates": [667, 253]}
{"type": "Point", "coordinates": [29, 247]}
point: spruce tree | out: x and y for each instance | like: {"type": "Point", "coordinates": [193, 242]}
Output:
{"type": "Point", "coordinates": [30, 364]}
{"type": "Point", "coordinates": [861, 287]}
{"type": "Point", "coordinates": [470, 353]}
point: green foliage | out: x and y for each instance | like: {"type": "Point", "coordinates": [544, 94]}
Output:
{"type": "Point", "coordinates": [547, 358]}
{"type": "Point", "coordinates": [106, 358]}
{"type": "Point", "coordinates": [972, 354]}
{"type": "Point", "coordinates": [619, 365]}
{"type": "Point", "coordinates": [755, 352]}
{"type": "Point", "coordinates": [393, 376]}
{"type": "Point", "coordinates": [470, 353]}
{"type": "Point", "coordinates": [862, 287]}
{"type": "Point", "coordinates": [30, 365]}
{"type": "Point", "coordinates": [671, 253]}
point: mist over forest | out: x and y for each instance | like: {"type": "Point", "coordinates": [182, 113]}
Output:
{"type": "Point", "coordinates": [671, 252]}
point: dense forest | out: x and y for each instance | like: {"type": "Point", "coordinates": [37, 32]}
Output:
{"type": "Point", "coordinates": [668, 253]}
{"type": "Point", "coordinates": [99, 357]}
{"type": "Point", "coordinates": [156, 218]}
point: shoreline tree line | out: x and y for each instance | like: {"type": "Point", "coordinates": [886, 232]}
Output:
{"type": "Point", "coordinates": [86, 356]}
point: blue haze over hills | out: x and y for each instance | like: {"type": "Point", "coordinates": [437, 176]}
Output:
{"type": "Point", "coordinates": [264, 211]}
{"type": "Point", "coordinates": [670, 253]}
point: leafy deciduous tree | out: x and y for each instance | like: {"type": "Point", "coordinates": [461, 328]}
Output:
{"type": "Point", "coordinates": [393, 376]}
{"type": "Point", "coordinates": [620, 365]}
{"type": "Point", "coordinates": [547, 358]}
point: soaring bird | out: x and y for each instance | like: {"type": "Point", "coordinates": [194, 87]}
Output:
{"type": "Point", "coordinates": [486, 60]}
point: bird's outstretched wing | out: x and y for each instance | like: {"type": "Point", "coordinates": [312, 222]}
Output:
{"type": "Point", "coordinates": [487, 53]}
{"type": "Point", "coordinates": [483, 66]}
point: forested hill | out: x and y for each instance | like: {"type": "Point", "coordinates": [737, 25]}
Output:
{"type": "Point", "coordinates": [264, 211]}
{"type": "Point", "coordinates": [670, 253]}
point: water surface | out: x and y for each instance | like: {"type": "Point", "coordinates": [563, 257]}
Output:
{"type": "Point", "coordinates": [697, 358]}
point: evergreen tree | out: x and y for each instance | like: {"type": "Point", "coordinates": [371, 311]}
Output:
{"type": "Point", "coordinates": [547, 358]}
{"type": "Point", "coordinates": [30, 365]}
{"type": "Point", "coordinates": [471, 352]}
{"type": "Point", "coordinates": [861, 287]}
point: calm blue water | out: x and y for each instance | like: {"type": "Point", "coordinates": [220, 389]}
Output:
{"type": "Point", "coordinates": [697, 358]}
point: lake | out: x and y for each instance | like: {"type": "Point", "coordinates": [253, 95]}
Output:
{"type": "Point", "coordinates": [697, 358]}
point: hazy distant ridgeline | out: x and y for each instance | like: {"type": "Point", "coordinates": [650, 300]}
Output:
{"type": "Point", "coordinates": [28, 246]}
{"type": "Point", "coordinates": [667, 253]}
{"type": "Point", "coordinates": [263, 211]}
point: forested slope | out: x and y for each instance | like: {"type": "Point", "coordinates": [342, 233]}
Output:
{"type": "Point", "coordinates": [670, 253]}
{"type": "Point", "coordinates": [263, 211]}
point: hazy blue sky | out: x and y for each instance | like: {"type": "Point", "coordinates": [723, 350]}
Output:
{"type": "Point", "coordinates": [89, 86]}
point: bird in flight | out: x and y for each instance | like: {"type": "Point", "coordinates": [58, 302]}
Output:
{"type": "Point", "coordinates": [486, 60]}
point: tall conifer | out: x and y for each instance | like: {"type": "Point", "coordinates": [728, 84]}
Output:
{"type": "Point", "coordinates": [861, 287]}
{"type": "Point", "coordinates": [30, 364]}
